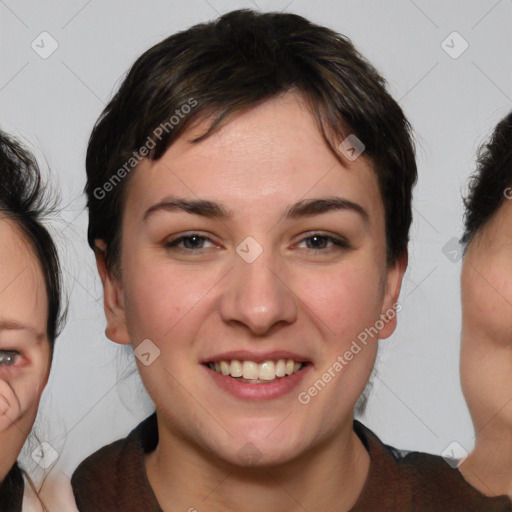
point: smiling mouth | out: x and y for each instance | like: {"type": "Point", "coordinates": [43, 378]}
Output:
{"type": "Point", "coordinates": [254, 373]}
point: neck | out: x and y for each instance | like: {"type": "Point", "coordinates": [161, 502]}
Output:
{"type": "Point", "coordinates": [489, 466]}
{"type": "Point", "coordinates": [329, 477]}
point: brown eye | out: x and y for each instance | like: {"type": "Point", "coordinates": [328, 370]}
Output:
{"type": "Point", "coordinates": [321, 242]}
{"type": "Point", "coordinates": [189, 242]}
{"type": "Point", "coordinates": [8, 357]}
{"type": "Point", "coordinates": [193, 242]}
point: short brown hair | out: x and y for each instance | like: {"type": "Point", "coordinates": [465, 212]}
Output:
{"type": "Point", "coordinates": [228, 66]}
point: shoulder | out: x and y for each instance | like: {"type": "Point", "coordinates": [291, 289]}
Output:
{"type": "Point", "coordinates": [442, 487]}
{"type": "Point", "coordinates": [101, 480]}
{"type": "Point", "coordinates": [11, 490]}
{"type": "Point", "coordinates": [389, 483]}
{"type": "Point", "coordinates": [96, 473]}
{"type": "Point", "coordinates": [401, 480]}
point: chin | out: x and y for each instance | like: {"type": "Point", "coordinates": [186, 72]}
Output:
{"type": "Point", "coordinates": [253, 445]}
{"type": "Point", "coordinates": [251, 455]}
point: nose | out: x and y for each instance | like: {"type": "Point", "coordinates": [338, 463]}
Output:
{"type": "Point", "coordinates": [258, 296]}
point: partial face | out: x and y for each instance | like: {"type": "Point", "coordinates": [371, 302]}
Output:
{"type": "Point", "coordinates": [486, 357]}
{"type": "Point", "coordinates": [24, 346]}
{"type": "Point", "coordinates": [234, 302]}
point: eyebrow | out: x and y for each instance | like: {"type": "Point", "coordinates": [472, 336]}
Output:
{"type": "Point", "coordinates": [211, 209]}
{"type": "Point", "coordinates": [13, 325]}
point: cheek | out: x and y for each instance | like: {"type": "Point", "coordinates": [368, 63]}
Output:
{"type": "Point", "coordinates": [487, 299]}
{"type": "Point", "coordinates": [9, 405]}
{"type": "Point", "coordinates": [347, 299]}
{"type": "Point", "coordinates": [158, 297]}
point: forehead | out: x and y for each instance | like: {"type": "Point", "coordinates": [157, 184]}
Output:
{"type": "Point", "coordinates": [271, 155]}
{"type": "Point", "coordinates": [23, 296]}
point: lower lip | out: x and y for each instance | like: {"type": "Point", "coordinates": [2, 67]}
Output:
{"type": "Point", "coordinates": [263, 391]}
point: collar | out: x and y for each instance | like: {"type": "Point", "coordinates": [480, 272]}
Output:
{"type": "Point", "coordinates": [387, 485]}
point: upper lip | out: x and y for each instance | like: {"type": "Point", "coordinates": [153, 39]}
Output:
{"type": "Point", "coordinates": [246, 355]}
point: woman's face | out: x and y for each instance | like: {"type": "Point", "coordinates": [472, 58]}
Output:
{"type": "Point", "coordinates": [486, 356]}
{"type": "Point", "coordinates": [24, 345]}
{"type": "Point", "coordinates": [253, 282]}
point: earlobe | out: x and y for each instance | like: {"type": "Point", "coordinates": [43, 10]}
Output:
{"type": "Point", "coordinates": [390, 304]}
{"type": "Point", "coordinates": [113, 301]}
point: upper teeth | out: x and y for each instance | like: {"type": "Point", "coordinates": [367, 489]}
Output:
{"type": "Point", "coordinates": [268, 370]}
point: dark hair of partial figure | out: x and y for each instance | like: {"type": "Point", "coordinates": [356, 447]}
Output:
{"type": "Point", "coordinates": [491, 184]}
{"type": "Point", "coordinates": [228, 66]}
{"type": "Point", "coordinates": [24, 201]}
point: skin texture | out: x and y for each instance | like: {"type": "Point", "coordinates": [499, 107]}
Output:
{"type": "Point", "coordinates": [486, 356]}
{"type": "Point", "coordinates": [195, 305]}
{"type": "Point", "coordinates": [23, 301]}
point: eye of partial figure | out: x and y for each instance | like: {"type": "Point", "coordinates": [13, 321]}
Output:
{"type": "Point", "coordinates": [8, 357]}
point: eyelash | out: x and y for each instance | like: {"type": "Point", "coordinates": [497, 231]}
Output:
{"type": "Point", "coordinates": [5, 354]}
{"type": "Point", "coordinates": [338, 243]}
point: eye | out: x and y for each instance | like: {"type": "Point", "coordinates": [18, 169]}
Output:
{"type": "Point", "coordinates": [8, 357]}
{"type": "Point", "coordinates": [316, 242]}
{"type": "Point", "coordinates": [325, 243]}
{"type": "Point", "coordinates": [192, 242]}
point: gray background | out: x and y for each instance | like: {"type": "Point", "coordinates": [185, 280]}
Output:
{"type": "Point", "coordinates": [453, 103]}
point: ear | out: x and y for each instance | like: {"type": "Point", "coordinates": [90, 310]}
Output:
{"type": "Point", "coordinates": [390, 304]}
{"type": "Point", "coordinates": [113, 299]}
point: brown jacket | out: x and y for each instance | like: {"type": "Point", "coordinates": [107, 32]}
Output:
{"type": "Point", "coordinates": [114, 479]}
